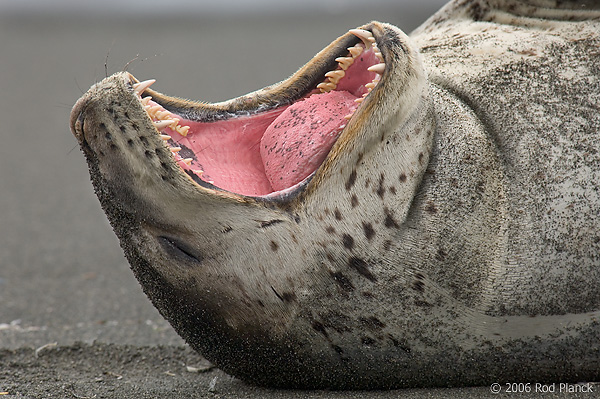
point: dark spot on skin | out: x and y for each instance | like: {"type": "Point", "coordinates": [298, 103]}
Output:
{"type": "Point", "coordinates": [419, 276]}
{"type": "Point", "coordinates": [430, 208]}
{"type": "Point", "coordinates": [361, 267]}
{"type": "Point", "coordinates": [423, 304]}
{"type": "Point", "coordinates": [387, 245]}
{"type": "Point", "coordinates": [288, 297]}
{"type": "Point", "coordinates": [260, 303]}
{"type": "Point", "coordinates": [368, 230]}
{"type": "Point", "coordinates": [337, 214]}
{"type": "Point", "coordinates": [268, 223]}
{"type": "Point", "coordinates": [354, 201]}
{"type": "Point", "coordinates": [317, 326]}
{"type": "Point", "coordinates": [418, 286]}
{"type": "Point", "coordinates": [330, 230]}
{"type": "Point", "coordinates": [389, 219]}
{"type": "Point", "coordinates": [392, 190]}
{"type": "Point", "coordinates": [130, 142]}
{"type": "Point", "coordinates": [367, 294]}
{"type": "Point", "coordinates": [339, 350]}
{"type": "Point", "coordinates": [359, 159]}
{"type": "Point", "coordinates": [274, 246]}
{"type": "Point", "coordinates": [343, 281]}
{"type": "Point", "coordinates": [402, 178]}
{"type": "Point", "coordinates": [144, 141]}
{"type": "Point", "coordinates": [398, 344]}
{"type": "Point", "coordinates": [421, 157]}
{"type": "Point", "coordinates": [113, 146]}
{"type": "Point", "coordinates": [441, 254]}
{"type": "Point", "coordinates": [348, 241]}
{"type": "Point", "coordinates": [381, 190]}
{"type": "Point", "coordinates": [367, 341]}
{"type": "Point", "coordinates": [372, 323]}
{"type": "Point", "coordinates": [351, 180]}
{"type": "Point", "coordinates": [123, 129]}
{"type": "Point", "coordinates": [108, 136]}
{"type": "Point", "coordinates": [227, 229]}
{"type": "Point", "coordinates": [297, 219]}
{"type": "Point", "coordinates": [148, 154]}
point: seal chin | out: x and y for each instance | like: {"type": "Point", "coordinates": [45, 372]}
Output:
{"type": "Point", "coordinates": [270, 143]}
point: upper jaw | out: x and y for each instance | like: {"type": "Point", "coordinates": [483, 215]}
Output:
{"type": "Point", "coordinates": [170, 117]}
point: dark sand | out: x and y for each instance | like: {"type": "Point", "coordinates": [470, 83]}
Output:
{"type": "Point", "coordinates": [65, 287]}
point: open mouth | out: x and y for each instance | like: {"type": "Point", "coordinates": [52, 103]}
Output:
{"type": "Point", "coordinates": [272, 150]}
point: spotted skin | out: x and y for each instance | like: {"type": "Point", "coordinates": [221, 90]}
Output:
{"type": "Point", "coordinates": [451, 236]}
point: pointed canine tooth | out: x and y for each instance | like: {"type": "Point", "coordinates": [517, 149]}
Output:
{"type": "Point", "coordinates": [188, 161]}
{"type": "Point", "coordinates": [345, 62]}
{"type": "Point", "coordinates": [160, 125]}
{"type": "Point", "coordinates": [377, 68]}
{"type": "Point", "coordinates": [141, 86]}
{"type": "Point", "coordinates": [165, 137]}
{"type": "Point", "coordinates": [175, 149]}
{"type": "Point", "coordinates": [363, 35]}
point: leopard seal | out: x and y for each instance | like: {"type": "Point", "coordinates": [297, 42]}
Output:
{"type": "Point", "coordinates": [444, 232]}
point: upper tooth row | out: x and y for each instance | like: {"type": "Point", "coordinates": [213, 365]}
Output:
{"type": "Point", "coordinates": [165, 118]}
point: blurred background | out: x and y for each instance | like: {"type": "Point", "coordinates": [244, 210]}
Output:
{"type": "Point", "coordinates": [63, 277]}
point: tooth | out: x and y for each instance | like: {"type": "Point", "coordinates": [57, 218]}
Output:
{"type": "Point", "coordinates": [153, 110]}
{"type": "Point", "coordinates": [141, 86]}
{"type": "Point", "coordinates": [377, 68]}
{"type": "Point", "coordinates": [348, 117]}
{"type": "Point", "coordinates": [355, 51]}
{"type": "Point", "coordinates": [326, 87]}
{"type": "Point", "coordinates": [363, 35]}
{"type": "Point", "coordinates": [163, 115]}
{"type": "Point", "coordinates": [175, 149]}
{"type": "Point", "coordinates": [345, 62]}
{"type": "Point", "coordinates": [160, 125]}
{"type": "Point", "coordinates": [359, 100]}
{"type": "Point", "coordinates": [165, 137]}
{"type": "Point", "coordinates": [183, 130]}
{"type": "Point", "coordinates": [146, 100]}
{"type": "Point", "coordinates": [335, 76]}
{"type": "Point", "coordinates": [188, 161]}
{"type": "Point", "coordinates": [371, 85]}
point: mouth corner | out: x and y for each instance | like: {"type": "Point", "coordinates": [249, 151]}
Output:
{"type": "Point", "coordinates": [268, 145]}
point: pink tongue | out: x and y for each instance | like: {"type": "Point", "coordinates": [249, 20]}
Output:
{"type": "Point", "coordinates": [299, 139]}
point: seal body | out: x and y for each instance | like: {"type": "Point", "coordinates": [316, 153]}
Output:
{"type": "Point", "coordinates": [451, 236]}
